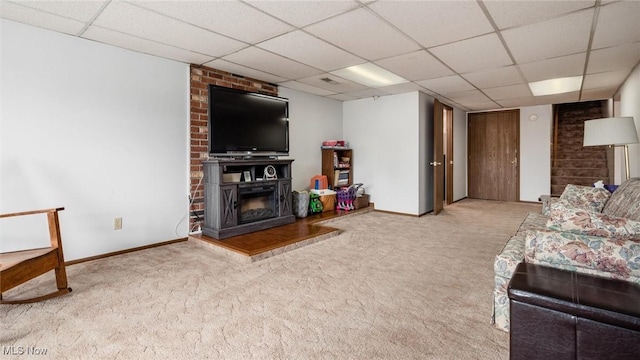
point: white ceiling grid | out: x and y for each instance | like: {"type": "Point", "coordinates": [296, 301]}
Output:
{"type": "Point", "coordinates": [476, 55]}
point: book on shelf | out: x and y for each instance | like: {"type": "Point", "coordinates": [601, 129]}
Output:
{"type": "Point", "coordinates": [341, 178]}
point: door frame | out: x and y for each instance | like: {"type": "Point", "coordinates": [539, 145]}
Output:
{"type": "Point", "coordinates": [436, 162]}
{"type": "Point", "coordinates": [442, 168]}
{"type": "Point", "coordinates": [448, 125]}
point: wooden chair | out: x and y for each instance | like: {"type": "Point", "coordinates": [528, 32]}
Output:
{"type": "Point", "coordinates": [18, 267]}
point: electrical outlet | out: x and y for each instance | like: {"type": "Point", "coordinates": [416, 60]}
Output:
{"type": "Point", "coordinates": [117, 223]}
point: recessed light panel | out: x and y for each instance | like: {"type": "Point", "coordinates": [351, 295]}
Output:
{"type": "Point", "coordinates": [556, 86]}
{"type": "Point", "coordinates": [370, 74]}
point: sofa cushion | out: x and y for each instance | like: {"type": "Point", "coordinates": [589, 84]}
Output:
{"type": "Point", "coordinates": [585, 197]}
{"type": "Point", "coordinates": [625, 201]}
{"type": "Point", "coordinates": [563, 217]}
{"type": "Point", "coordinates": [613, 258]}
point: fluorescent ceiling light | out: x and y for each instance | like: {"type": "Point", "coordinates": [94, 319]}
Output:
{"type": "Point", "coordinates": [370, 75]}
{"type": "Point", "coordinates": [556, 86]}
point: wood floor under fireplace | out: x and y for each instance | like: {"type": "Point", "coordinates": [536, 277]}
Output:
{"type": "Point", "coordinates": [265, 243]}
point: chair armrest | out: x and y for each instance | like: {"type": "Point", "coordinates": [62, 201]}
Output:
{"type": "Point", "coordinates": [31, 212]}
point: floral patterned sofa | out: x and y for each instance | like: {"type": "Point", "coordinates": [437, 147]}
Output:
{"type": "Point", "coordinates": [586, 229]}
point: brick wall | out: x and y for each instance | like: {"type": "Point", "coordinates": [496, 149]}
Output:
{"type": "Point", "coordinates": [201, 77]}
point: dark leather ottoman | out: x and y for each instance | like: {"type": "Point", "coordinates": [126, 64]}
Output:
{"type": "Point", "coordinates": [558, 314]}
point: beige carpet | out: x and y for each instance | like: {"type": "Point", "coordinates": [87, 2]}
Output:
{"type": "Point", "coordinates": [388, 287]}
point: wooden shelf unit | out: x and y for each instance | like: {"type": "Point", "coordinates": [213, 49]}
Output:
{"type": "Point", "coordinates": [332, 164]}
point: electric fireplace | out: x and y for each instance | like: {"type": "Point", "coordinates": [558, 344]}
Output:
{"type": "Point", "coordinates": [257, 202]}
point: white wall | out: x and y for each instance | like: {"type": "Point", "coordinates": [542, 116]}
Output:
{"type": "Point", "coordinates": [535, 152]}
{"type": "Point", "coordinates": [630, 106]}
{"type": "Point", "coordinates": [312, 119]}
{"type": "Point", "coordinates": [99, 130]}
{"type": "Point", "coordinates": [384, 135]}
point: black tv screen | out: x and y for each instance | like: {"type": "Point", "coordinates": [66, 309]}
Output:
{"type": "Point", "coordinates": [244, 123]}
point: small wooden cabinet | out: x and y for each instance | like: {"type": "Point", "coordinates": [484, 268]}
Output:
{"type": "Point", "coordinates": [242, 196]}
{"type": "Point", "coordinates": [337, 166]}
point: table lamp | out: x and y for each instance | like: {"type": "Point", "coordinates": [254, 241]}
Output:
{"type": "Point", "coordinates": [615, 131]}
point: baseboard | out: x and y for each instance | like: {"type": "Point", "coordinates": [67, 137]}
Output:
{"type": "Point", "coordinates": [120, 252]}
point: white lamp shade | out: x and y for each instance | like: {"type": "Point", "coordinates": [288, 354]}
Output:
{"type": "Point", "coordinates": [610, 131]}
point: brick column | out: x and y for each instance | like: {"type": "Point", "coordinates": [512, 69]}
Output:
{"type": "Point", "coordinates": [201, 77]}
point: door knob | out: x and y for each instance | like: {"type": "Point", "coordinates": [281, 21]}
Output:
{"type": "Point", "coordinates": [435, 163]}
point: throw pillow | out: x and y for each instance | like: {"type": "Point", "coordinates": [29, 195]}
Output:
{"type": "Point", "coordinates": [585, 197]}
{"type": "Point", "coordinates": [564, 217]}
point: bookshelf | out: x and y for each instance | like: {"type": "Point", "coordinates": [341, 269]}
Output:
{"type": "Point", "coordinates": [336, 167]}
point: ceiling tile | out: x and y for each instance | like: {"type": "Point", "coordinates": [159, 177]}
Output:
{"type": "Point", "coordinates": [482, 52]}
{"type": "Point", "coordinates": [559, 98]}
{"type": "Point", "coordinates": [504, 76]}
{"type": "Point", "coordinates": [310, 50]}
{"type": "Point", "coordinates": [303, 13]}
{"type": "Point", "coordinates": [402, 88]}
{"type": "Point", "coordinates": [364, 34]}
{"type": "Point", "coordinates": [338, 84]}
{"type": "Point", "coordinates": [611, 79]}
{"type": "Point", "coordinates": [78, 10]}
{"type": "Point", "coordinates": [614, 58]}
{"type": "Point", "coordinates": [434, 23]}
{"type": "Point", "coordinates": [27, 15]}
{"type": "Point", "coordinates": [508, 92]}
{"type": "Point", "coordinates": [564, 66]}
{"type": "Point", "coordinates": [598, 94]}
{"type": "Point", "coordinates": [473, 99]}
{"type": "Point", "coordinates": [479, 105]}
{"type": "Point", "coordinates": [508, 14]}
{"type": "Point", "coordinates": [468, 96]}
{"type": "Point", "coordinates": [361, 94]}
{"type": "Point", "coordinates": [256, 58]}
{"type": "Point", "coordinates": [447, 84]}
{"type": "Point", "coordinates": [418, 65]}
{"type": "Point", "coordinates": [305, 88]}
{"type": "Point", "coordinates": [150, 25]}
{"type": "Point", "coordinates": [243, 70]}
{"type": "Point", "coordinates": [342, 97]}
{"type": "Point", "coordinates": [231, 18]}
{"type": "Point", "coordinates": [144, 46]}
{"type": "Point", "coordinates": [618, 23]}
{"type": "Point", "coordinates": [518, 102]}
{"type": "Point", "coordinates": [561, 36]}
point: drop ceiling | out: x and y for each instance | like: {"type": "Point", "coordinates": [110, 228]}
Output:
{"type": "Point", "coordinates": [475, 55]}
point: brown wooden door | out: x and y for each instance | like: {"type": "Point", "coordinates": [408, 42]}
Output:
{"type": "Point", "coordinates": [438, 155]}
{"type": "Point", "coordinates": [493, 146]}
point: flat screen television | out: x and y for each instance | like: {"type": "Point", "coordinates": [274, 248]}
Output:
{"type": "Point", "coordinates": [243, 124]}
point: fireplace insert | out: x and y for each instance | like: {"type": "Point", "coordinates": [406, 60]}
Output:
{"type": "Point", "coordinates": [257, 202]}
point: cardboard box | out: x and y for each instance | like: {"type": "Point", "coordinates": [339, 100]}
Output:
{"type": "Point", "coordinates": [328, 202]}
